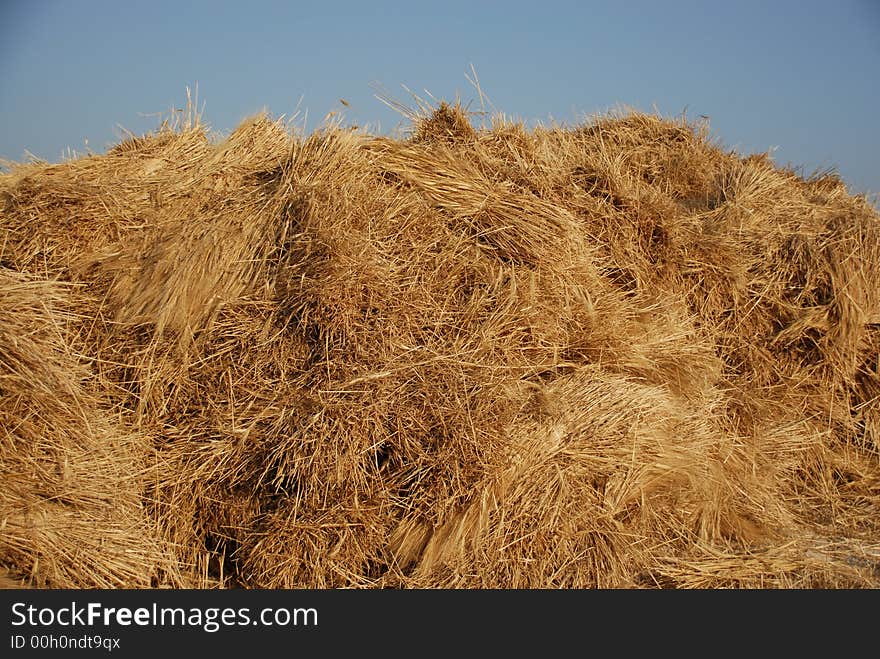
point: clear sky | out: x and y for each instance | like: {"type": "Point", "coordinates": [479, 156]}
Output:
{"type": "Point", "coordinates": [797, 77]}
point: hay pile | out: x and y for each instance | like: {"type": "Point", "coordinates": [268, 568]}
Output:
{"type": "Point", "coordinates": [614, 355]}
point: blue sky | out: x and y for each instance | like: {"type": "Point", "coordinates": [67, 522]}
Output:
{"type": "Point", "coordinates": [796, 77]}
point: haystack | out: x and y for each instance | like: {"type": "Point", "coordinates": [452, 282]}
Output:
{"type": "Point", "coordinates": [614, 355]}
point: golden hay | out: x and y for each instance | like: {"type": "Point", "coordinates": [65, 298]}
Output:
{"type": "Point", "coordinates": [71, 509]}
{"type": "Point", "coordinates": [614, 355]}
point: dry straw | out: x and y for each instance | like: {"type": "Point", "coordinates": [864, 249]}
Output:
{"type": "Point", "coordinates": [614, 355]}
